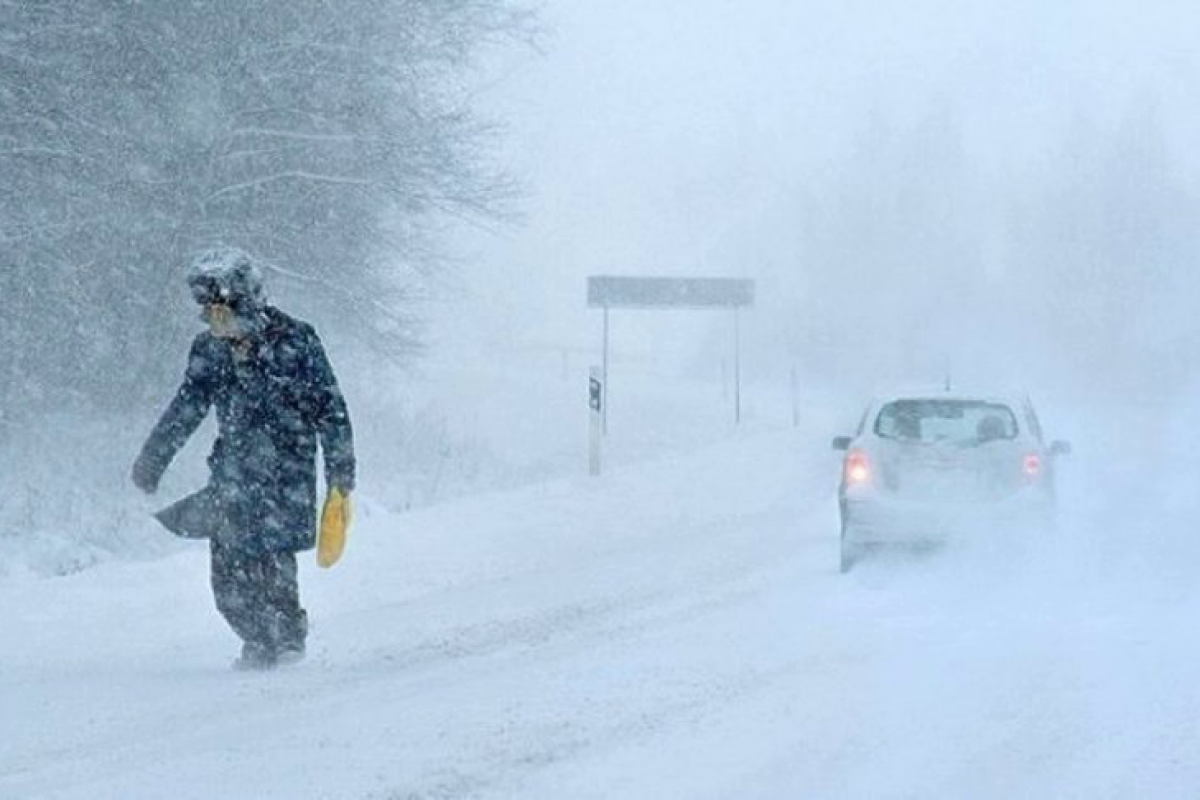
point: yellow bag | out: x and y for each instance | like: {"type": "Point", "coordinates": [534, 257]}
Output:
{"type": "Point", "coordinates": [335, 522]}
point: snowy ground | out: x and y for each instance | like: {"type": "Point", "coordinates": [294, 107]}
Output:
{"type": "Point", "coordinates": [675, 628]}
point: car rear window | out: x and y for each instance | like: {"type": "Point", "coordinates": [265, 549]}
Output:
{"type": "Point", "coordinates": [945, 420]}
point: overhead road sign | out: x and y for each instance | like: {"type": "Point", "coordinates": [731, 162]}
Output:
{"type": "Point", "coordinates": [611, 291]}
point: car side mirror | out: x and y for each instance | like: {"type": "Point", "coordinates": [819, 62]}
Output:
{"type": "Point", "coordinates": [1060, 448]}
{"type": "Point", "coordinates": [841, 443]}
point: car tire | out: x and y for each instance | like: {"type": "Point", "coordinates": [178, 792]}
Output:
{"type": "Point", "coordinates": [849, 556]}
{"type": "Point", "coordinates": [849, 553]}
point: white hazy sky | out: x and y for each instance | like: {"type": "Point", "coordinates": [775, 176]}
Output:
{"type": "Point", "coordinates": [653, 136]}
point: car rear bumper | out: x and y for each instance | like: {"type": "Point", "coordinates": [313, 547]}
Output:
{"type": "Point", "coordinates": [875, 520]}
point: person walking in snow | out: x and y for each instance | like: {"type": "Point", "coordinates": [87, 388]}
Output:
{"type": "Point", "coordinates": [276, 396]}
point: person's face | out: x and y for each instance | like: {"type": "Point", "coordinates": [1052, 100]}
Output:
{"type": "Point", "coordinates": [221, 320]}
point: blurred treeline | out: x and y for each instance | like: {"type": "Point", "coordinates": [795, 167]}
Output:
{"type": "Point", "coordinates": [933, 249]}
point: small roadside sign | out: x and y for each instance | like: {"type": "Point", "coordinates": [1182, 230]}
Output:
{"type": "Point", "coordinates": [595, 418]}
{"type": "Point", "coordinates": [595, 395]}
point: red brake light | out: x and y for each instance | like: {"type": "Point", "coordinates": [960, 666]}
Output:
{"type": "Point", "coordinates": [1032, 465]}
{"type": "Point", "coordinates": [858, 467]}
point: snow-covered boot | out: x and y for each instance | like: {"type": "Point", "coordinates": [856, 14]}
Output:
{"type": "Point", "coordinates": [290, 654]}
{"type": "Point", "coordinates": [255, 656]}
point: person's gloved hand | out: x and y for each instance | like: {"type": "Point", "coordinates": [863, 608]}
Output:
{"type": "Point", "coordinates": [145, 474]}
{"type": "Point", "coordinates": [334, 524]}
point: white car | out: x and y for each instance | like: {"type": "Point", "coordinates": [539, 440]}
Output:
{"type": "Point", "coordinates": [927, 465]}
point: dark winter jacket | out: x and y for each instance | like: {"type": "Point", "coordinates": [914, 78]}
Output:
{"type": "Point", "coordinates": [272, 404]}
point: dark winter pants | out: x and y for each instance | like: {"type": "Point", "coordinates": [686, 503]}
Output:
{"type": "Point", "coordinates": [259, 597]}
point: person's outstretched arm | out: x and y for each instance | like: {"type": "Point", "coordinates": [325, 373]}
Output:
{"type": "Point", "coordinates": [179, 421]}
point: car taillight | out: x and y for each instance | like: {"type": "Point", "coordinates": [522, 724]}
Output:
{"type": "Point", "coordinates": [858, 467]}
{"type": "Point", "coordinates": [1031, 466]}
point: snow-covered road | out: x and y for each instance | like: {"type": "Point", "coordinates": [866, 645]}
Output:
{"type": "Point", "coordinates": [674, 629]}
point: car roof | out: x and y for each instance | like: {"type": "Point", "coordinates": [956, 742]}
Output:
{"type": "Point", "coordinates": [1013, 399]}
